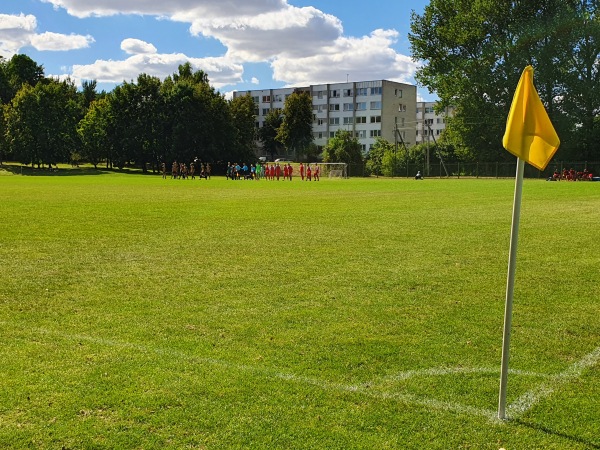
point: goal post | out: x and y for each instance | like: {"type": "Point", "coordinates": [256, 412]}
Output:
{"type": "Point", "coordinates": [334, 170]}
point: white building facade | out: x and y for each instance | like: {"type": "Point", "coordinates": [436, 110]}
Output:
{"type": "Point", "coordinates": [429, 124]}
{"type": "Point", "coordinates": [367, 109]}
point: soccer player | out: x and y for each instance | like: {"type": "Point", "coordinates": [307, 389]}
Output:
{"type": "Point", "coordinates": [308, 173]}
{"type": "Point", "coordinates": [277, 171]}
{"type": "Point", "coordinates": [302, 171]}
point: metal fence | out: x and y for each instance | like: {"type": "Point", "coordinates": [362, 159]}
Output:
{"type": "Point", "coordinates": [481, 169]}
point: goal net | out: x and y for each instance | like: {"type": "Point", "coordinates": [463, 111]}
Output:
{"type": "Point", "coordinates": [334, 170]}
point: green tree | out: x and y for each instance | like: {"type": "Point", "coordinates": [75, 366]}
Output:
{"type": "Point", "coordinates": [17, 71]}
{"type": "Point", "coordinates": [474, 53]}
{"type": "Point", "coordinates": [136, 113]}
{"type": "Point", "coordinates": [93, 131]}
{"type": "Point", "coordinates": [295, 131]}
{"type": "Point", "coordinates": [88, 93]}
{"type": "Point", "coordinates": [343, 147]}
{"type": "Point", "coordinates": [41, 122]}
{"type": "Point", "coordinates": [267, 134]}
{"type": "Point", "coordinates": [374, 159]}
{"type": "Point", "coordinates": [198, 118]}
{"type": "Point", "coordinates": [243, 122]}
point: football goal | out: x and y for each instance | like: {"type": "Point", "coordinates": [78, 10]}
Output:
{"type": "Point", "coordinates": [334, 170]}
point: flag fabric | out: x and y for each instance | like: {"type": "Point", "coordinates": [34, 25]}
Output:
{"type": "Point", "coordinates": [529, 133]}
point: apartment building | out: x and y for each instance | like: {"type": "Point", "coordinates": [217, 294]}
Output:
{"type": "Point", "coordinates": [429, 124]}
{"type": "Point", "coordinates": [368, 109]}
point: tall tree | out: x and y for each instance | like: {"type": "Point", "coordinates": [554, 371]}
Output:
{"type": "Point", "coordinates": [474, 53]}
{"type": "Point", "coordinates": [20, 70]}
{"type": "Point", "coordinates": [41, 121]}
{"type": "Point", "coordinates": [295, 131]}
{"type": "Point", "coordinates": [93, 131]}
{"type": "Point", "coordinates": [243, 122]}
{"type": "Point", "coordinates": [267, 134]}
{"type": "Point", "coordinates": [88, 93]}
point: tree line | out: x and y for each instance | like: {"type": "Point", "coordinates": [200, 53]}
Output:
{"type": "Point", "coordinates": [474, 53]}
{"type": "Point", "coordinates": [144, 123]}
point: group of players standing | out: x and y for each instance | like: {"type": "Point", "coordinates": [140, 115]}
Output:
{"type": "Point", "coordinates": [274, 171]}
{"type": "Point", "coordinates": [183, 171]}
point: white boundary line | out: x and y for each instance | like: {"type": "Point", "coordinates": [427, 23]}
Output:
{"type": "Point", "coordinates": [528, 400]}
{"type": "Point", "coordinates": [515, 409]}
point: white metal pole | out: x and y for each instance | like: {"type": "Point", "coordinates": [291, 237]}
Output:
{"type": "Point", "coordinates": [510, 285]}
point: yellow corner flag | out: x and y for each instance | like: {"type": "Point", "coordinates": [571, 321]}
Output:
{"type": "Point", "coordinates": [529, 133]}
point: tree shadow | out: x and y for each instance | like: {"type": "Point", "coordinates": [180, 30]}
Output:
{"type": "Point", "coordinates": [550, 431]}
{"type": "Point", "coordinates": [16, 169]}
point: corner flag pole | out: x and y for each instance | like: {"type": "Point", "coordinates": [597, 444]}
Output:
{"type": "Point", "coordinates": [510, 285]}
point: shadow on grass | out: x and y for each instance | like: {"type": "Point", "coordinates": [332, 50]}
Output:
{"type": "Point", "coordinates": [16, 169]}
{"type": "Point", "coordinates": [550, 431]}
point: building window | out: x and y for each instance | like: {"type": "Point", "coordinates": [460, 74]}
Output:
{"type": "Point", "coordinates": [319, 94]}
{"type": "Point", "coordinates": [320, 121]}
{"type": "Point", "coordinates": [376, 91]}
{"type": "Point", "coordinates": [361, 134]}
{"type": "Point", "coordinates": [401, 108]}
{"type": "Point", "coordinates": [361, 119]}
{"type": "Point", "coordinates": [375, 105]}
{"type": "Point", "coordinates": [348, 120]}
{"type": "Point", "coordinates": [348, 92]}
{"type": "Point", "coordinates": [265, 111]}
{"type": "Point", "coordinates": [266, 99]}
{"type": "Point", "coordinates": [277, 98]}
{"type": "Point", "coordinates": [375, 119]}
{"type": "Point", "coordinates": [332, 134]}
{"type": "Point", "coordinates": [398, 93]}
{"type": "Point", "coordinates": [362, 91]}
{"type": "Point", "coordinates": [361, 106]}
{"type": "Point", "coordinates": [334, 107]}
{"type": "Point", "coordinates": [255, 99]}
{"type": "Point", "coordinates": [348, 106]}
{"type": "Point", "coordinates": [334, 121]}
{"type": "Point", "coordinates": [334, 93]}
{"type": "Point", "coordinates": [375, 133]}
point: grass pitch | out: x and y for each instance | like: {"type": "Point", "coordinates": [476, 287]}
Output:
{"type": "Point", "coordinates": [138, 312]}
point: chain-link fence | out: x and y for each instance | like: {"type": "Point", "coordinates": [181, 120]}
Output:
{"type": "Point", "coordinates": [481, 169]}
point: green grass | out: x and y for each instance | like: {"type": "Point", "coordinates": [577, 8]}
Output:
{"type": "Point", "coordinates": [145, 313]}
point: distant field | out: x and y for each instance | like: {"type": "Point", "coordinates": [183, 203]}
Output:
{"type": "Point", "coordinates": [144, 313]}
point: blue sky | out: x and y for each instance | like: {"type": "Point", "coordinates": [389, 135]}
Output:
{"type": "Point", "coordinates": [240, 44]}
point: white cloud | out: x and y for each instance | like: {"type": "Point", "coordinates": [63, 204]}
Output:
{"type": "Point", "coordinates": [296, 32]}
{"type": "Point", "coordinates": [254, 80]}
{"type": "Point", "coordinates": [60, 42]}
{"type": "Point", "coordinates": [220, 71]}
{"type": "Point", "coordinates": [137, 47]}
{"type": "Point", "coordinates": [367, 58]}
{"type": "Point", "coordinates": [171, 8]}
{"type": "Point", "coordinates": [17, 32]}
